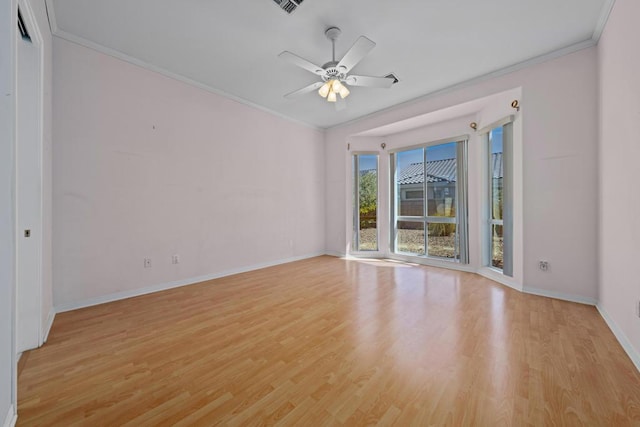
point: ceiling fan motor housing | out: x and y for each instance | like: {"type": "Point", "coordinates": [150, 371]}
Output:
{"type": "Point", "coordinates": [331, 72]}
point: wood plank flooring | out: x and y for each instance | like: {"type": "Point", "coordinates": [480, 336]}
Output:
{"type": "Point", "coordinates": [327, 341]}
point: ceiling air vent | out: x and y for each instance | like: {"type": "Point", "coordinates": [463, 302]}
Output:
{"type": "Point", "coordinates": [288, 5]}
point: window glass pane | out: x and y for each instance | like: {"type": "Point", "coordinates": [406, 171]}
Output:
{"type": "Point", "coordinates": [410, 182]}
{"type": "Point", "coordinates": [441, 180]}
{"type": "Point", "coordinates": [368, 202]}
{"type": "Point", "coordinates": [410, 237]}
{"type": "Point", "coordinates": [497, 245]}
{"type": "Point", "coordinates": [497, 166]}
{"type": "Point", "coordinates": [441, 240]}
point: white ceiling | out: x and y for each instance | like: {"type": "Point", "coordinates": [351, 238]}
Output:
{"type": "Point", "coordinates": [232, 47]}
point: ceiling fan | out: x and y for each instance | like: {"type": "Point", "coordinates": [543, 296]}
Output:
{"type": "Point", "coordinates": [335, 74]}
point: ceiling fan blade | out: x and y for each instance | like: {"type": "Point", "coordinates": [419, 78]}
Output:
{"type": "Point", "coordinates": [304, 90]}
{"type": "Point", "coordinates": [368, 81]}
{"type": "Point", "coordinates": [302, 63]}
{"type": "Point", "coordinates": [359, 50]}
{"type": "Point", "coordinates": [341, 103]}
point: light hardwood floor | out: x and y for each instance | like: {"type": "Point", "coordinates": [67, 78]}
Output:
{"type": "Point", "coordinates": [327, 341]}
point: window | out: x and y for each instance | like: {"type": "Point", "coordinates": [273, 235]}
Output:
{"type": "Point", "coordinates": [365, 202]}
{"type": "Point", "coordinates": [500, 224]}
{"type": "Point", "coordinates": [435, 226]}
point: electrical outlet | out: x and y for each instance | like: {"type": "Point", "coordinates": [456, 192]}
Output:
{"type": "Point", "coordinates": [175, 259]}
{"type": "Point", "coordinates": [147, 263]}
{"type": "Point", "coordinates": [543, 265]}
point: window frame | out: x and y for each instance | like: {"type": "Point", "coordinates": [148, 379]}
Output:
{"type": "Point", "coordinates": [355, 202]}
{"type": "Point", "coordinates": [507, 196]}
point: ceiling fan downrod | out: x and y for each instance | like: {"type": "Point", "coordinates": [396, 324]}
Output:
{"type": "Point", "coordinates": [332, 34]}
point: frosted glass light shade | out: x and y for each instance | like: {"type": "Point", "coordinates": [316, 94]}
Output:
{"type": "Point", "coordinates": [344, 92]}
{"type": "Point", "coordinates": [325, 89]}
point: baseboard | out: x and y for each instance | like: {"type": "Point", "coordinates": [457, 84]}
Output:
{"type": "Point", "coordinates": [174, 284]}
{"type": "Point", "coordinates": [335, 254]}
{"type": "Point", "coordinates": [498, 277]}
{"type": "Point", "coordinates": [484, 272]}
{"type": "Point", "coordinates": [561, 296]}
{"type": "Point", "coordinates": [50, 318]}
{"type": "Point", "coordinates": [620, 336]}
{"type": "Point", "coordinates": [11, 418]}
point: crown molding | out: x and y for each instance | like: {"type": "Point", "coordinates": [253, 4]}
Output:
{"type": "Point", "coordinates": [493, 74]}
{"type": "Point", "coordinates": [601, 23]}
{"type": "Point", "coordinates": [605, 12]}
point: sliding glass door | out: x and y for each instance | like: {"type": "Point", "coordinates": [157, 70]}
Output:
{"type": "Point", "coordinates": [430, 209]}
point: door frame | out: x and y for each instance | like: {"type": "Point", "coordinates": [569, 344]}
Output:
{"type": "Point", "coordinates": [36, 290]}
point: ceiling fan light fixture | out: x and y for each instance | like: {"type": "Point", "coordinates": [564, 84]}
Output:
{"type": "Point", "coordinates": [332, 97]}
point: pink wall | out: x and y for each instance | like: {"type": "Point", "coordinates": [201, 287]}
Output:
{"type": "Point", "coordinates": [619, 153]}
{"type": "Point", "coordinates": [146, 166]}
